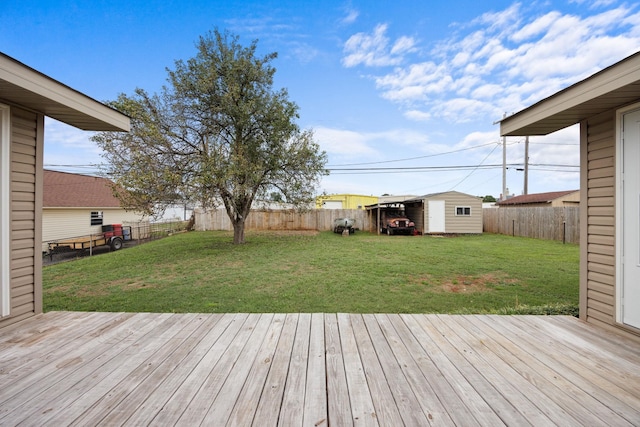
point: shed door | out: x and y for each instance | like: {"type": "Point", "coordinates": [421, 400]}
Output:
{"type": "Point", "coordinates": [629, 293]}
{"type": "Point", "coordinates": [436, 216]}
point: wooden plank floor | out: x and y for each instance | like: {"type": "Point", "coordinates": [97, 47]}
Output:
{"type": "Point", "coordinates": [89, 369]}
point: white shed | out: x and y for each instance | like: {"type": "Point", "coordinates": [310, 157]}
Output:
{"type": "Point", "coordinates": [449, 212]}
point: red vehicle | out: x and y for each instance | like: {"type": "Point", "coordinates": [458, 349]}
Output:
{"type": "Point", "coordinates": [398, 224]}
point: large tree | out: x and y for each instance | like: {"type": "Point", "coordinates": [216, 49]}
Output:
{"type": "Point", "coordinates": [217, 132]}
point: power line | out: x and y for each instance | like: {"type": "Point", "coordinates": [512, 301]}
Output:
{"type": "Point", "coordinates": [552, 143]}
{"type": "Point", "coordinates": [416, 168]}
{"type": "Point", "coordinates": [471, 173]}
{"type": "Point", "coordinates": [447, 167]}
{"type": "Point", "coordinates": [415, 158]}
{"type": "Point", "coordinates": [83, 169]}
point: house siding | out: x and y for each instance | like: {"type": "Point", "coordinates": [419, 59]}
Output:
{"type": "Point", "coordinates": [26, 205]}
{"type": "Point", "coordinates": [599, 258]}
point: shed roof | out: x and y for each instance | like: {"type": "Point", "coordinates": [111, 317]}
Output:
{"type": "Point", "coordinates": [610, 88]}
{"type": "Point", "coordinates": [24, 86]}
{"type": "Point", "coordinates": [442, 193]}
{"type": "Point", "coordinates": [71, 190]}
{"type": "Point", "coordinates": [535, 198]}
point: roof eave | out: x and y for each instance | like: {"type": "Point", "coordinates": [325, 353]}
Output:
{"type": "Point", "coordinates": [24, 86]}
{"type": "Point", "coordinates": [610, 88]}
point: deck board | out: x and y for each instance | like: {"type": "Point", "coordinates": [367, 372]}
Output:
{"type": "Point", "coordinates": [386, 409]}
{"type": "Point", "coordinates": [268, 406]}
{"type": "Point", "coordinates": [363, 412]}
{"type": "Point", "coordinates": [598, 380]}
{"type": "Point", "coordinates": [338, 406]}
{"type": "Point", "coordinates": [67, 368]}
{"type": "Point", "coordinates": [546, 379]}
{"type": "Point", "coordinates": [292, 407]}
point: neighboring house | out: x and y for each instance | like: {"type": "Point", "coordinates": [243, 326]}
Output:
{"type": "Point", "coordinates": [555, 199]}
{"type": "Point", "coordinates": [78, 205]}
{"type": "Point", "coordinates": [344, 201]}
{"type": "Point", "coordinates": [26, 97]}
{"type": "Point", "coordinates": [607, 107]}
{"type": "Point", "coordinates": [447, 212]}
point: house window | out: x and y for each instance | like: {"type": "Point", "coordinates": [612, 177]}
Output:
{"type": "Point", "coordinates": [463, 211]}
{"type": "Point", "coordinates": [96, 218]}
{"type": "Point", "coordinates": [5, 203]}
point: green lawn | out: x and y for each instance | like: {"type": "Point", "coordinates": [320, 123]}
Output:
{"type": "Point", "coordinates": [323, 272]}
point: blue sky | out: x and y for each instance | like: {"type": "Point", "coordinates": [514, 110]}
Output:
{"type": "Point", "coordinates": [404, 95]}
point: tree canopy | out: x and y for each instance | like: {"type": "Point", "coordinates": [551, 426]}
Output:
{"type": "Point", "coordinates": [218, 132]}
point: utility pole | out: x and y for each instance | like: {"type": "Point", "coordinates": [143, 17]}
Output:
{"type": "Point", "coordinates": [504, 164]}
{"type": "Point", "coordinates": [526, 165]}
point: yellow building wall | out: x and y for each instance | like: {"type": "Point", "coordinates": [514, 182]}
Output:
{"type": "Point", "coordinates": [349, 201]}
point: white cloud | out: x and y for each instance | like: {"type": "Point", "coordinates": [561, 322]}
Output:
{"type": "Point", "coordinates": [595, 3]}
{"type": "Point", "coordinates": [415, 82]}
{"type": "Point", "coordinates": [501, 61]}
{"type": "Point", "coordinates": [351, 16]}
{"type": "Point", "coordinates": [538, 26]}
{"type": "Point", "coordinates": [372, 50]}
{"type": "Point", "coordinates": [350, 145]}
{"type": "Point", "coordinates": [402, 45]}
{"type": "Point", "coordinates": [60, 137]}
{"type": "Point", "coordinates": [501, 20]}
{"type": "Point", "coordinates": [487, 91]}
{"type": "Point", "coordinates": [343, 142]}
{"type": "Point", "coordinates": [461, 110]}
{"type": "Point", "coordinates": [303, 52]}
{"type": "Point", "coordinates": [417, 116]}
{"type": "Point", "coordinates": [478, 138]}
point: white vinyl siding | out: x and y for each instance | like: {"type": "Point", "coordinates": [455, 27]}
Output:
{"type": "Point", "coordinates": [25, 277]}
{"type": "Point", "coordinates": [5, 204]}
{"type": "Point", "coordinates": [600, 207]}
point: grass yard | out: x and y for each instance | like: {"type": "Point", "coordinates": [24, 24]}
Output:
{"type": "Point", "coordinates": [322, 272]}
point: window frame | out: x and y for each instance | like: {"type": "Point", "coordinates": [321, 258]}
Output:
{"type": "Point", "coordinates": [464, 210]}
{"type": "Point", "coordinates": [97, 219]}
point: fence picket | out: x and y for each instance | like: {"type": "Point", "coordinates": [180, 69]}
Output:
{"type": "Point", "coordinates": [562, 223]}
{"type": "Point", "coordinates": [260, 220]}
{"type": "Point", "coordinates": [559, 223]}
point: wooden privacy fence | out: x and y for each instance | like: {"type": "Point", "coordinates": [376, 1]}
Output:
{"type": "Point", "coordinates": [316, 219]}
{"type": "Point", "coordinates": [561, 223]}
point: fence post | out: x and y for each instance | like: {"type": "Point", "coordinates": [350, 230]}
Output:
{"type": "Point", "coordinates": [513, 227]}
{"type": "Point", "coordinates": [564, 232]}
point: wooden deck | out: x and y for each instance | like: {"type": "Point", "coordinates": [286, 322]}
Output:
{"type": "Point", "coordinates": [88, 369]}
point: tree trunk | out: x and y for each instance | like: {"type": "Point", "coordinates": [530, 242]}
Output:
{"type": "Point", "coordinates": [238, 231]}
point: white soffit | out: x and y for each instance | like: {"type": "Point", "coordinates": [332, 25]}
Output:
{"type": "Point", "coordinates": [24, 86]}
